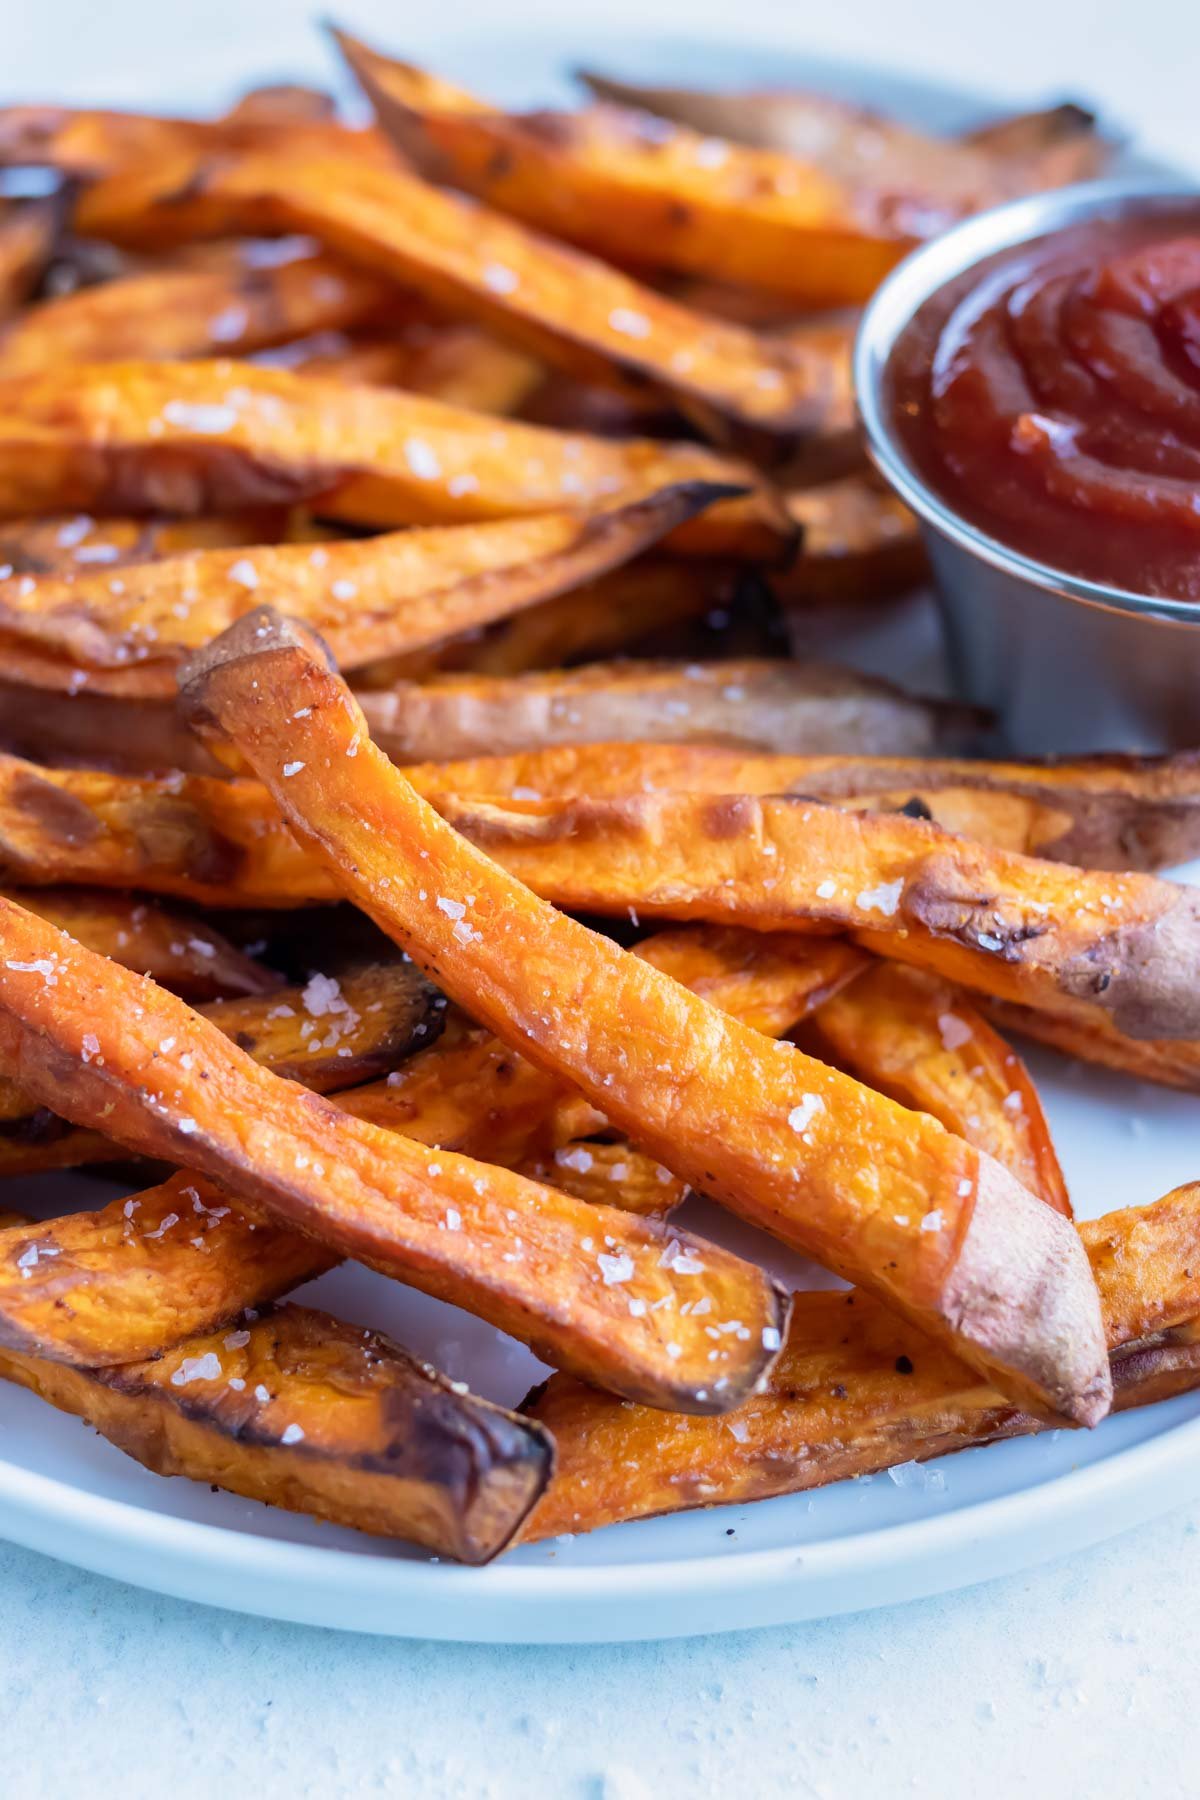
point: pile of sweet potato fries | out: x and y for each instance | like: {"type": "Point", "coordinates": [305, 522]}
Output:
{"type": "Point", "coordinates": [414, 835]}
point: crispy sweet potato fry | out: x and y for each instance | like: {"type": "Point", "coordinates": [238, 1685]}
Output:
{"type": "Point", "coordinates": [1021, 153]}
{"type": "Point", "coordinates": [29, 231]}
{"type": "Point", "coordinates": [1051, 147]}
{"type": "Point", "coordinates": [370, 597]}
{"type": "Point", "coordinates": [570, 310]}
{"type": "Point", "coordinates": [627, 188]}
{"type": "Point", "coordinates": [227, 308]}
{"type": "Point", "coordinates": [1103, 812]}
{"type": "Point", "coordinates": [1171, 1062]}
{"type": "Point", "coordinates": [451, 361]}
{"type": "Point", "coordinates": [778, 706]}
{"type": "Point", "coordinates": [97, 1289]}
{"type": "Point", "coordinates": [921, 1042]}
{"type": "Point", "coordinates": [96, 731]}
{"type": "Point", "coordinates": [789, 1143]}
{"type": "Point", "coordinates": [218, 436]}
{"type": "Point", "coordinates": [472, 1093]}
{"type": "Point", "coordinates": [1068, 941]}
{"type": "Point", "coordinates": [857, 1391]}
{"type": "Point", "coordinates": [66, 542]}
{"type": "Point", "coordinates": [326, 1034]}
{"type": "Point", "coordinates": [176, 949]}
{"type": "Point", "coordinates": [506, 1248]}
{"type": "Point", "coordinates": [302, 1411]}
{"type": "Point", "coordinates": [608, 1173]}
{"type": "Point", "coordinates": [643, 603]}
{"type": "Point", "coordinates": [221, 843]}
{"type": "Point", "coordinates": [98, 142]}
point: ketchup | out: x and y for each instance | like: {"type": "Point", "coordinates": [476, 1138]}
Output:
{"type": "Point", "coordinates": [1051, 395]}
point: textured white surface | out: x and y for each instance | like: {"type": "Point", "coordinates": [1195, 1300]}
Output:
{"type": "Point", "coordinates": [1079, 1678]}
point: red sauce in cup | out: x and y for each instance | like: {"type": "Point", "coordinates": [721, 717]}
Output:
{"type": "Point", "coordinates": [1051, 395]}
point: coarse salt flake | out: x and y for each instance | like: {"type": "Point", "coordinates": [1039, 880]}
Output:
{"type": "Point", "coordinates": [197, 1368]}
{"type": "Point", "coordinates": [802, 1116]}
{"type": "Point", "coordinates": [882, 899]}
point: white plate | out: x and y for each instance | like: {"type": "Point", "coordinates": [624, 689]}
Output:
{"type": "Point", "coordinates": [987, 1512]}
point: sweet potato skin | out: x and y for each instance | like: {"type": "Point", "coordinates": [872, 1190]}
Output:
{"type": "Point", "coordinates": [1114, 812]}
{"type": "Point", "coordinates": [164, 1081]}
{"type": "Point", "coordinates": [856, 1391]}
{"type": "Point", "coordinates": [771, 1133]}
{"type": "Point", "coordinates": [370, 598]}
{"type": "Point", "coordinates": [1170, 1062]}
{"type": "Point", "coordinates": [318, 1417]}
{"type": "Point", "coordinates": [1068, 941]}
{"type": "Point", "coordinates": [769, 706]}
{"type": "Point", "coordinates": [206, 436]}
{"type": "Point", "coordinates": [921, 1041]}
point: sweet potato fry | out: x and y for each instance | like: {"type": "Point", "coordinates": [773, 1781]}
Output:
{"type": "Point", "coordinates": [610, 1173]}
{"type": "Point", "coordinates": [856, 1391]}
{"type": "Point", "coordinates": [452, 361]}
{"type": "Point", "coordinates": [165, 1082]}
{"type": "Point", "coordinates": [860, 543]}
{"type": "Point", "coordinates": [97, 1289]}
{"type": "Point", "coordinates": [60, 544]}
{"type": "Point", "coordinates": [1171, 1062]}
{"type": "Point", "coordinates": [777, 706]}
{"type": "Point", "coordinates": [302, 1411]}
{"type": "Point", "coordinates": [932, 1224]}
{"type": "Point", "coordinates": [229, 307]}
{"type": "Point", "coordinates": [97, 142]}
{"type": "Point", "coordinates": [1014, 155]}
{"type": "Point", "coordinates": [643, 602]}
{"type": "Point", "coordinates": [327, 1035]}
{"type": "Point", "coordinates": [471, 1093]}
{"type": "Point", "coordinates": [29, 231]}
{"type": "Point", "coordinates": [176, 949]}
{"type": "Point", "coordinates": [96, 731]}
{"type": "Point", "coordinates": [1048, 148]}
{"type": "Point", "coordinates": [625, 187]}
{"type": "Point", "coordinates": [1103, 812]}
{"type": "Point", "coordinates": [221, 843]}
{"type": "Point", "coordinates": [369, 597]}
{"type": "Point", "coordinates": [920, 1041]}
{"type": "Point", "coordinates": [217, 436]}
{"type": "Point", "coordinates": [1068, 941]}
{"type": "Point", "coordinates": [570, 310]}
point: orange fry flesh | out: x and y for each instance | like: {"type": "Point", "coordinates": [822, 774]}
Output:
{"type": "Point", "coordinates": [882, 1195]}
{"type": "Point", "coordinates": [856, 1391]}
{"type": "Point", "coordinates": [113, 1052]}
